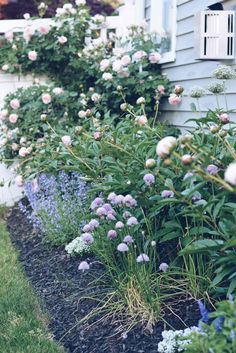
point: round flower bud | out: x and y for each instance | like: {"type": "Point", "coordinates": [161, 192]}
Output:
{"type": "Point", "coordinates": [224, 118]}
{"type": "Point", "coordinates": [150, 163]}
{"type": "Point", "coordinates": [140, 100]}
{"type": "Point", "coordinates": [223, 133]}
{"type": "Point", "coordinates": [186, 159]}
{"type": "Point", "coordinates": [124, 107]}
{"type": "Point", "coordinates": [214, 129]}
{"type": "Point", "coordinates": [78, 130]}
{"type": "Point", "coordinates": [178, 89]}
{"type": "Point", "coordinates": [119, 88]}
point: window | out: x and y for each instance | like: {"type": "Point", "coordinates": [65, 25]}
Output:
{"type": "Point", "coordinates": [160, 16]}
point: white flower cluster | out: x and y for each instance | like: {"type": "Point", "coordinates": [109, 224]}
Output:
{"type": "Point", "coordinates": [224, 72]}
{"type": "Point", "coordinates": [77, 246]}
{"type": "Point", "coordinates": [173, 341]}
{"type": "Point", "coordinates": [216, 87]}
{"type": "Point", "coordinates": [197, 92]}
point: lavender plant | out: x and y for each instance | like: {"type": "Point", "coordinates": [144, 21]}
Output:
{"type": "Point", "coordinates": [56, 205]}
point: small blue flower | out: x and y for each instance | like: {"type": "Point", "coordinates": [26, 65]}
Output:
{"type": "Point", "coordinates": [219, 323]}
{"type": "Point", "coordinates": [204, 312]}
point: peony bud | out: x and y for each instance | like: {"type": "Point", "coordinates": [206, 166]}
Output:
{"type": "Point", "coordinates": [186, 159]}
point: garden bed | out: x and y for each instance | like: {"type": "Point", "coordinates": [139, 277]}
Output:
{"type": "Point", "coordinates": [57, 281]}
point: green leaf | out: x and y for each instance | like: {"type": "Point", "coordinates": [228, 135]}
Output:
{"type": "Point", "coordinates": [203, 245]}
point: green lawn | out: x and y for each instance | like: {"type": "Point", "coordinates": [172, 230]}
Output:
{"type": "Point", "coordinates": [23, 325]}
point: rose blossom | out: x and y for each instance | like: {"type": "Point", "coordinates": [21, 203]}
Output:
{"type": "Point", "coordinates": [57, 91]}
{"type": "Point", "coordinates": [230, 173]}
{"type": "Point", "coordinates": [125, 60]}
{"type": "Point", "coordinates": [161, 89]}
{"type": "Point", "coordinates": [44, 29]}
{"type": "Point", "coordinates": [104, 64]}
{"type": "Point", "coordinates": [174, 99]}
{"type": "Point", "coordinates": [154, 58]}
{"type": "Point", "coordinates": [142, 258]}
{"type": "Point", "coordinates": [117, 65]}
{"type": "Point", "coordinates": [32, 55]}
{"type": "Point", "coordinates": [66, 140]}
{"type": "Point", "coordinates": [107, 76]}
{"type": "Point", "coordinates": [139, 55]}
{"type": "Point", "coordinates": [62, 40]}
{"type": "Point", "coordinates": [82, 114]}
{"type": "Point", "coordinates": [83, 266]}
{"type": "Point", "coordinates": [141, 120]}
{"type": "Point", "coordinates": [28, 32]}
{"type": "Point", "coordinates": [15, 147]}
{"type": "Point", "coordinates": [23, 152]}
{"type": "Point", "coordinates": [9, 36]}
{"type": "Point", "coordinates": [13, 118]}
{"type": "Point", "coordinates": [165, 146]}
{"type": "Point", "coordinates": [46, 98]}
{"type": "Point", "coordinates": [15, 103]}
{"type": "Point", "coordinates": [97, 135]}
{"type": "Point", "coordinates": [19, 180]}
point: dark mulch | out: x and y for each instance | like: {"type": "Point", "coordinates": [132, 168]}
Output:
{"type": "Point", "coordinates": [57, 281]}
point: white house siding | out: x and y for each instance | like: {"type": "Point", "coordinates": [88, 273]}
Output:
{"type": "Point", "coordinates": [187, 71]}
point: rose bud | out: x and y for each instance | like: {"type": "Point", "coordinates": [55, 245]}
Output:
{"type": "Point", "coordinates": [224, 118]}
{"type": "Point", "coordinates": [186, 159]}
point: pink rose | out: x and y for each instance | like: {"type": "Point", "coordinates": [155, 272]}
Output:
{"type": "Point", "coordinates": [57, 91]}
{"type": "Point", "coordinates": [44, 29]}
{"type": "Point", "coordinates": [139, 55]}
{"type": "Point", "coordinates": [19, 180]}
{"type": "Point", "coordinates": [161, 89]}
{"type": "Point", "coordinates": [13, 118]}
{"type": "Point", "coordinates": [224, 118]}
{"type": "Point", "coordinates": [62, 40]}
{"type": "Point", "coordinates": [126, 60]}
{"type": "Point", "coordinates": [32, 55]}
{"type": "Point", "coordinates": [174, 99]}
{"type": "Point", "coordinates": [46, 98]}
{"type": "Point", "coordinates": [15, 147]}
{"type": "Point", "coordinates": [154, 58]}
{"type": "Point", "coordinates": [82, 114]}
{"type": "Point", "coordinates": [28, 32]}
{"type": "Point", "coordinates": [23, 152]}
{"type": "Point", "coordinates": [66, 140]}
{"type": "Point", "coordinates": [9, 36]}
{"type": "Point", "coordinates": [141, 120]}
{"type": "Point", "coordinates": [97, 135]}
{"type": "Point", "coordinates": [104, 64]}
{"type": "Point", "coordinates": [15, 103]}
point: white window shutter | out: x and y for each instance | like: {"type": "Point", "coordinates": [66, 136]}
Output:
{"type": "Point", "coordinates": [217, 35]}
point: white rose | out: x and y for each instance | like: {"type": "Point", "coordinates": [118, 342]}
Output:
{"type": "Point", "coordinates": [230, 174]}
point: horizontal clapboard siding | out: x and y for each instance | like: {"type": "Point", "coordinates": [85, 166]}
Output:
{"type": "Point", "coordinates": [188, 71]}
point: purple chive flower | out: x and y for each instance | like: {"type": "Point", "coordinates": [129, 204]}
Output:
{"type": "Point", "coordinates": [142, 258]}
{"type": "Point", "coordinates": [101, 212]}
{"type": "Point", "coordinates": [127, 215]}
{"type": "Point", "coordinates": [87, 238]}
{"type": "Point", "coordinates": [83, 266]}
{"type": "Point", "coordinates": [163, 267]}
{"type": "Point", "coordinates": [204, 312]}
{"type": "Point", "coordinates": [87, 228]}
{"type": "Point", "coordinates": [112, 234]}
{"type": "Point", "coordinates": [122, 247]}
{"type": "Point", "coordinates": [119, 200]}
{"type": "Point", "coordinates": [119, 225]}
{"type": "Point", "coordinates": [129, 201]}
{"type": "Point", "coordinates": [111, 197]}
{"type": "Point", "coordinates": [218, 323]}
{"type": "Point", "coordinates": [111, 216]}
{"type": "Point", "coordinates": [98, 202]}
{"type": "Point", "coordinates": [107, 207]}
{"type": "Point", "coordinates": [167, 194]}
{"type": "Point", "coordinates": [93, 224]}
{"type": "Point", "coordinates": [212, 169]}
{"type": "Point", "coordinates": [128, 239]}
{"type": "Point", "coordinates": [132, 221]}
{"type": "Point", "coordinates": [149, 179]}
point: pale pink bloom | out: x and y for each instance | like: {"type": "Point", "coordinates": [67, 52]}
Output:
{"type": "Point", "coordinates": [13, 118]}
{"type": "Point", "coordinates": [82, 114]}
{"type": "Point", "coordinates": [26, 16]}
{"type": "Point", "coordinates": [15, 147]}
{"type": "Point", "coordinates": [32, 55]}
{"type": "Point", "coordinates": [154, 58]}
{"type": "Point", "coordinates": [46, 98]}
{"type": "Point", "coordinates": [62, 40]}
{"type": "Point", "coordinates": [104, 64]}
{"type": "Point", "coordinates": [57, 91]}
{"type": "Point", "coordinates": [122, 247]}
{"type": "Point", "coordinates": [23, 152]}
{"type": "Point", "coordinates": [5, 67]}
{"type": "Point", "coordinates": [97, 135]}
{"type": "Point", "coordinates": [23, 140]}
{"type": "Point", "coordinates": [117, 65]}
{"type": "Point", "coordinates": [9, 36]}
{"type": "Point", "coordinates": [19, 180]}
{"type": "Point", "coordinates": [125, 60]}
{"type": "Point", "coordinates": [28, 32]}
{"type": "Point", "coordinates": [141, 120]}
{"type": "Point", "coordinates": [161, 89]}
{"type": "Point", "coordinates": [142, 258]}
{"type": "Point", "coordinates": [83, 266]}
{"type": "Point", "coordinates": [44, 29]}
{"type": "Point", "coordinates": [174, 99]}
{"type": "Point", "coordinates": [15, 103]}
{"type": "Point", "coordinates": [224, 118]}
{"type": "Point", "coordinates": [107, 76]}
{"type": "Point", "coordinates": [230, 174]}
{"type": "Point", "coordinates": [139, 55]}
{"type": "Point", "coordinates": [165, 146]}
{"type": "Point", "coordinates": [66, 140]}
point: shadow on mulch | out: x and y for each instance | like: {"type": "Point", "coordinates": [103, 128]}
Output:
{"type": "Point", "coordinates": [57, 281]}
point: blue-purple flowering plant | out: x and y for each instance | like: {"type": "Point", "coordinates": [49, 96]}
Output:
{"type": "Point", "coordinates": [57, 205]}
